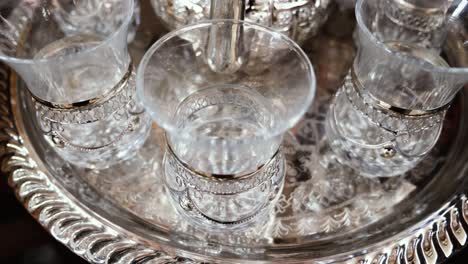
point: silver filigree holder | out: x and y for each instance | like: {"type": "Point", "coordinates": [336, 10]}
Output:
{"type": "Point", "coordinates": [390, 140]}
{"type": "Point", "coordinates": [216, 203]}
{"type": "Point", "coordinates": [99, 132]}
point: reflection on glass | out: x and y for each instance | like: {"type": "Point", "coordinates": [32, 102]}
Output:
{"type": "Point", "coordinates": [224, 130]}
{"type": "Point", "coordinates": [388, 114]}
{"type": "Point", "coordinates": [82, 80]}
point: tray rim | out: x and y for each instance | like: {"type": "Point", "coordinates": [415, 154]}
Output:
{"type": "Point", "coordinates": [18, 160]}
{"type": "Point", "coordinates": [51, 206]}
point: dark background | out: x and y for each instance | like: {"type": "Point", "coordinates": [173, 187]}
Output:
{"type": "Point", "coordinates": [22, 239]}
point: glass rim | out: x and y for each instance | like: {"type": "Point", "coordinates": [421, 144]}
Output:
{"type": "Point", "coordinates": [362, 27]}
{"type": "Point", "coordinates": [124, 23]}
{"type": "Point", "coordinates": [171, 129]}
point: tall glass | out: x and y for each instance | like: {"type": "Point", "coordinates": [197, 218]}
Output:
{"type": "Point", "coordinates": [82, 80]}
{"type": "Point", "coordinates": [389, 112]}
{"type": "Point", "coordinates": [224, 130]}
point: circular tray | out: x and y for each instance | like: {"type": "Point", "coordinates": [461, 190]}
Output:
{"type": "Point", "coordinates": [122, 214]}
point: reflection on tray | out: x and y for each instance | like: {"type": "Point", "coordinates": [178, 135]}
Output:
{"type": "Point", "coordinates": [319, 200]}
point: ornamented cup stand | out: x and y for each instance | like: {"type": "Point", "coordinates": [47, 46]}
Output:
{"type": "Point", "coordinates": [126, 219]}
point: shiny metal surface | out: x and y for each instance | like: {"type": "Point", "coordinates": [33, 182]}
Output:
{"type": "Point", "coordinates": [299, 19]}
{"type": "Point", "coordinates": [327, 214]}
{"type": "Point", "coordinates": [224, 51]}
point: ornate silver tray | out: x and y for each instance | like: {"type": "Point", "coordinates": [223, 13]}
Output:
{"type": "Point", "coordinates": [122, 214]}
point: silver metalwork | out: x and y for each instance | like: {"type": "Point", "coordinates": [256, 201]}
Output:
{"type": "Point", "coordinates": [388, 116]}
{"type": "Point", "coordinates": [123, 215]}
{"type": "Point", "coordinates": [225, 46]}
{"type": "Point", "coordinates": [408, 15]}
{"type": "Point", "coordinates": [218, 185]}
{"type": "Point", "coordinates": [192, 191]}
{"type": "Point", "coordinates": [119, 103]}
{"type": "Point", "coordinates": [389, 113]}
{"type": "Point", "coordinates": [225, 131]}
{"type": "Point", "coordinates": [78, 70]}
{"type": "Point", "coordinates": [297, 19]}
{"type": "Point", "coordinates": [86, 229]}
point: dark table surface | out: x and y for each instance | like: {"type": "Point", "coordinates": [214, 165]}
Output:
{"type": "Point", "coordinates": [23, 240]}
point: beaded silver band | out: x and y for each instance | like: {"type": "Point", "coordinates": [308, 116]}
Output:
{"type": "Point", "coordinates": [90, 110]}
{"type": "Point", "coordinates": [61, 142]}
{"type": "Point", "coordinates": [410, 16]}
{"type": "Point", "coordinates": [118, 104]}
{"type": "Point", "coordinates": [191, 208]}
{"type": "Point", "coordinates": [388, 116]}
{"type": "Point", "coordinates": [228, 184]}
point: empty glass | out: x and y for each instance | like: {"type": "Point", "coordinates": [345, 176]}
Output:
{"type": "Point", "coordinates": [224, 129]}
{"type": "Point", "coordinates": [82, 80]}
{"type": "Point", "coordinates": [85, 15]}
{"type": "Point", "coordinates": [388, 114]}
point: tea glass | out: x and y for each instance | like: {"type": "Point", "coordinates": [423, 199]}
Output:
{"type": "Point", "coordinates": [389, 112]}
{"type": "Point", "coordinates": [223, 165]}
{"type": "Point", "coordinates": [82, 81]}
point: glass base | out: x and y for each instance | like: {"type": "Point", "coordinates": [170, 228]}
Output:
{"type": "Point", "coordinates": [377, 142]}
{"type": "Point", "coordinates": [217, 204]}
{"type": "Point", "coordinates": [99, 135]}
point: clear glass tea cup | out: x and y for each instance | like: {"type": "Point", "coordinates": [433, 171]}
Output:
{"type": "Point", "coordinates": [389, 112]}
{"type": "Point", "coordinates": [82, 81]}
{"type": "Point", "coordinates": [224, 128]}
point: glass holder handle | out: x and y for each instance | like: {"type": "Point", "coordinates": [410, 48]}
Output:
{"type": "Point", "coordinates": [225, 44]}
